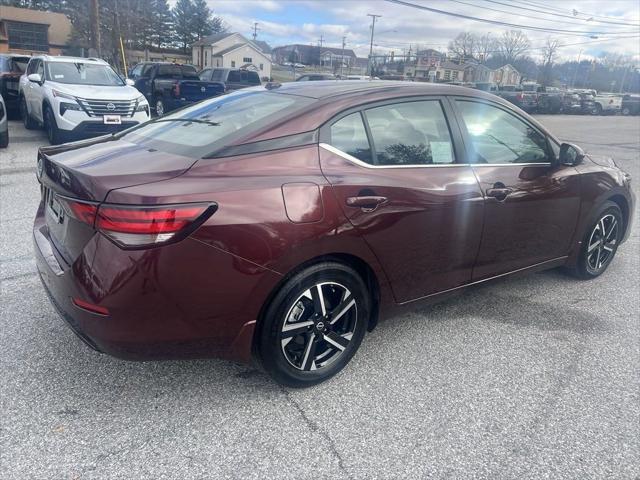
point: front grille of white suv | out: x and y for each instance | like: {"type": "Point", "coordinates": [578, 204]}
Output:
{"type": "Point", "coordinates": [98, 108]}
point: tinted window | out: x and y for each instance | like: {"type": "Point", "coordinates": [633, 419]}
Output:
{"type": "Point", "coordinates": [234, 76]}
{"type": "Point", "coordinates": [500, 137]}
{"type": "Point", "coordinates": [205, 74]}
{"type": "Point", "coordinates": [18, 64]}
{"type": "Point", "coordinates": [411, 133]}
{"type": "Point", "coordinates": [189, 72]}
{"type": "Point", "coordinates": [349, 135]}
{"type": "Point", "coordinates": [168, 71]}
{"type": "Point", "coordinates": [218, 75]}
{"type": "Point", "coordinates": [216, 121]}
{"type": "Point", "coordinates": [31, 68]}
{"type": "Point", "coordinates": [254, 79]}
{"type": "Point", "coordinates": [304, 78]}
{"type": "Point", "coordinates": [135, 73]}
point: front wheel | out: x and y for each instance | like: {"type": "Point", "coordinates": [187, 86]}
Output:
{"type": "Point", "coordinates": [626, 111]}
{"type": "Point", "coordinates": [314, 325]}
{"type": "Point", "coordinates": [597, 110]}
{"type": "Point", "coordinates": [160, 110]}
{"type": "Point", "coordinates": [28, 122]}
{"type": "Point", "coordinates": [600, 242]}
{"type": "Point", "coordinates": [51, 127]}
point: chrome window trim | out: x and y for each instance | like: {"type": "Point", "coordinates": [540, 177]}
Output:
{"type": "Point", "coordinates": [540, 164]}
{"type": "Point", "coordinates": [360, 163]}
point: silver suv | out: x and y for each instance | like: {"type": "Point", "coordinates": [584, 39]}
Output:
{"type": "Point", "coordinates": [74, 98]}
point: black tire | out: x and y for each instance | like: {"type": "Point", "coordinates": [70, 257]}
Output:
{"type": "Point", "coordinates": [590, 264]}
{"type": "Point", "coordinates": [626, 111]}
{"type": "Point", "coordinates": [51, 127]}
{"type": "Point", "coordinates": [4, 139]}
{"type": "Point", "coordinates": [597, 110]}
{"type": "Point", "coordinates": [289, 353]}
{"type": "Point", "coordinates": [28, 122]}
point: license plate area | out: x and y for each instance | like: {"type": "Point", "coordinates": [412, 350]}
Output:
{"type": "Point", "coordinates": [52, 206]}
{"type": "Point", "coordinates": [112, 119]}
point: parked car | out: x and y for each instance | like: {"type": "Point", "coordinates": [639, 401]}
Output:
{"type": "Point", "coordinates": [74, 98]}
{"type": "Point", "coordinates": [630, 105]}
{"type": "Point", "coordinates": [311, 77]}
{"type": "Point", "coordinates": [515, 94]}
{"type": "Point", "coordinates": [297, 226]}
{"type": "Point", "coordinates": [571, 103]}
{"type": "Point", "coordinates": [12, 66]}
{"type": "Point", "coordinates": [4, 125]}
{"type": "Point", "coordinates": [587, 103]}
{"type": "Point", "coordinates": [550, 100]}
{"type": "Point", "coordinates": [607, 103]}
{"type": "Point", "coordinates": [168, 86]}
{"type": "Point", "coordinates": [232, 79]}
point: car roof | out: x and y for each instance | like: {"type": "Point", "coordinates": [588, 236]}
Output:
{"type": "Point", "coordinates": [65, 59]}
{"type": "Point", "coordinates": [335, 88]}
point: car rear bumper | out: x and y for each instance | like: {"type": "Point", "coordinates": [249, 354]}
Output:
{"type": "Point", "coordinates": [186, 300]}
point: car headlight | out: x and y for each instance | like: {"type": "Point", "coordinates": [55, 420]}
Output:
{"type": "Point", "coordinates": [64, 106]}
{"type": "Point", "coordinates": [59, 94]}
{"type": "Point", "coordinates": [142, 105]}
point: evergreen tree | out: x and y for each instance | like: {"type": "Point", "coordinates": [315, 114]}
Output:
{"type": "Point", "coordinates": [162, 24]}
{"type": "Point", "coordinates": [183, 13]}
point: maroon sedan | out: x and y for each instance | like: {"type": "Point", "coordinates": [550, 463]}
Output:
{"type": "Point", "coordinates": [279, 222]}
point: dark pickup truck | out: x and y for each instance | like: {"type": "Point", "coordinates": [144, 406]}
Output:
{"type": "Point", "coordinates": [527, 101]}
{"type": "Point", "coordinates": [168, 86]}
{"type": "Point", "coordinates": [630, 104]}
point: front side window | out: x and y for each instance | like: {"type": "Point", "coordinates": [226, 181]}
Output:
{"type": "Point", "coordinates": [234, 76]}
{"type": "Point", "coordinates": [79, 73]}
{"type": "Point", "coordinates": [410, 133]}
{"type": "Point", "coordinates": [349, 135]}
{"type": "Point", "coordinates": [500, 137]}
{"type": "Point", "coordinates": [205, 74]}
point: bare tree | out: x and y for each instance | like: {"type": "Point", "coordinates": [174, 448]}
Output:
{"type": "Point", "coordinates": [549, 55]}
{"type": "Point", "coordinates": [463, 46]}
{"type": "Point", "coordinates": [513, 44]}
{"type": "Point", "coordinates": [484, 47]}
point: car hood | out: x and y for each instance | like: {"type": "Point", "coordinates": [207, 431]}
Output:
{"type": "Point", "coordinates": [96, 92]}
{"type": "Point", "coordinates": [602, 160]}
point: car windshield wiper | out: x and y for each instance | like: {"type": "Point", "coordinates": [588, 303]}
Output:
{"type": "Point", "coordinates": [206, 122]}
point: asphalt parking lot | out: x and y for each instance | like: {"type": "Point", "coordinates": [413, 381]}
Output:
{"type": "Point", "coordinates": [535, 377]}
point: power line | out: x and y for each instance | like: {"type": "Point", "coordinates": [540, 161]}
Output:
{"type": "Point", "coordinates": [505, 24]}
{"type": "Point", "coordinates": [557, 14]}
{"type": "Point", "coordinates": [561, 10]}
{"type": "Point", "coordinates": [532, 17]}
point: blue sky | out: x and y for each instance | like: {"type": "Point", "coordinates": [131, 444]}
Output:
{"type": "Point", "coordinates": [401, 28]}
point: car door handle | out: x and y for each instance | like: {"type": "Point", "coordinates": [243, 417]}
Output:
{"type": "Point", "coordinates": [368, 203]}
{"type": "Point", "coordinates": [499, 191]}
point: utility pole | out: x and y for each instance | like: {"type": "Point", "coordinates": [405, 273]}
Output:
{"type": "Point", "coordinates": [255, 30]}
{"type": "Point", "coordinates": [344, 43]}
{"type": "Point", "coordinates": [95, 26]}
{"type": "Point", "coordinates": [373, 26]}
{"type": "Point", "coordinates": [575, 72]}
{"type": "Point", "coordinates": [321, 41]}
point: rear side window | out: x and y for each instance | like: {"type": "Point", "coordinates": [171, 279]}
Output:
{"type": "Point", "coordinates": [19, 64]}
{"type": "Point", "coordinates": [234, 76]}
{"type": "Point", "coordinates": [410, 133]}
{"type": "Point", "coordinates": [205, 74]}
{"type": "Point", "coordinates": [349, 135]}
{"type": "Point", "coordinates": [218, 75]}
{"type": "Point", "coordinates": [254, 79]}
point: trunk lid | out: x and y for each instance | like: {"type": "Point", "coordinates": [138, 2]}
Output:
{"type": "Point", "coordinates": [194, 90]}
{"type": "Point", "coordinates": [88, 171]}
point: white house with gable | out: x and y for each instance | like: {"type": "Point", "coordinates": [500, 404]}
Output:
{"type": "Point", "coordinates": [232, 50]}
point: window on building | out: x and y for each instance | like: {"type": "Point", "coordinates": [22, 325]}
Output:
{"type": "Point", "coordinates": [28, 36]}
{"type": "Point", "coordinates": [447, 74]}
{"type": "Point", "coordinates": [261, 66]}
{"type": "Point", "coordinates": [233, 64]}
{"type": "Point", "coordinates": [455, 74]}
{"type": "Point", "coordinates": [247, 60]}
{"type": "Point", "coordinates": [206, 58]}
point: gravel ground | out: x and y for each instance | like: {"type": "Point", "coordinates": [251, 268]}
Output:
{"type": "Point", "coordinates": [535, 377]}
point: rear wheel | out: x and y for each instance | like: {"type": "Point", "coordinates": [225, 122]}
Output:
{"type": "Point", "coordinates": [314, 325]}
{"type": "Point", "coordinates": [626, 111]}
{"type": "Point", "coordinates": [600, 242]}
{"type": "Point", "coordinates": [28, 122]}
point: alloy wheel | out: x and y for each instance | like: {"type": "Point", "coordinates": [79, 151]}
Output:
{"type": "Point", "coordinates": [602, 243]}
{"type": "Point", "coordinates": [159, 108]}
{"type": "Point", "coordinates": [319, 326]}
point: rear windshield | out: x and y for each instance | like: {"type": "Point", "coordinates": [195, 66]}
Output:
{"type": "Point", "coordinates": [208, 126]}
{"type": "Point", "coordinates": [177, 71]}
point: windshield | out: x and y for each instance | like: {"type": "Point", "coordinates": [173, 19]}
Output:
{"type": "Point", "coordinates": [82, 74]}
{"type": "Point", "coordinates": [201, 129]}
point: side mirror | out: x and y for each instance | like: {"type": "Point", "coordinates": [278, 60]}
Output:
{"type": "Point", "coordinates": [570, 154]}
{"type": "Point", "coordinates": [35, 77]}
{"type": "Point", "coordinates": [129, 82]}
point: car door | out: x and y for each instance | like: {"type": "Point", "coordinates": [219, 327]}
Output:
{"type": "Point", "coordinates": [532, 202]}
{"type": "Point", "coordinates": [37, 93]}
{"type": "Point", "coordinates": [205, 75]}
{"type": "Point", "coordinates": [143, 82]}
{"type": "Point", "coordinates": [398, 171]}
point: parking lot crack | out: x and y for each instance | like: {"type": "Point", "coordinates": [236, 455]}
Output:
{"type": "Point", "coordinates": [314, 427]}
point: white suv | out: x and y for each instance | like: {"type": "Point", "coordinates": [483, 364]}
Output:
{"type": "Point", "coordinates": [74, 98]}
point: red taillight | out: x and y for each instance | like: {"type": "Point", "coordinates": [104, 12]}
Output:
{"type": "Point", "coordinates": [176, 89]}
{"type": "Point", "coordinates": [90, 307]}
{"type": "Point", "coordinates": [520, 96]}
{"type": "Point", "coordinates": [141, 226]}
